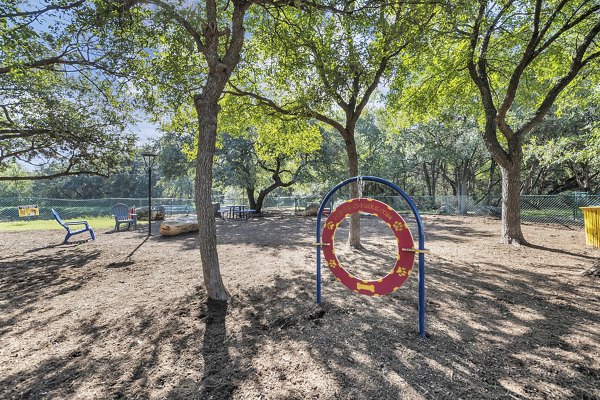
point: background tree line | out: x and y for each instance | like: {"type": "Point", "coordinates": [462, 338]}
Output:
{"type": "Point", "coordinates": [437, 158]}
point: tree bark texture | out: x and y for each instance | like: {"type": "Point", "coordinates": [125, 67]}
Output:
{"type": "Point", "coordinates": [488, 200]}
{"type": "Point", "coordinates": [354, 235]}
{"type": "Point", "coordinates": [220, 67]}
{"type": "Point", "coordinates": [462, 189]}
{"type": "Point", "coordinates": [511, 204]}
{"type": "Point", "coordinates": [261, 198]}
{"type": "Point", "coordinates": [178, 226]}
{"type": "Point", "coordinates": [251, 200]}
{"type": "Point", "coordinates": [509, 162]}
{"type": "Point", "coordinates": [207, 110]}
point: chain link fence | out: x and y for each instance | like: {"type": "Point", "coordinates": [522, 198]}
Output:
{"type": "Point", "coordinates": [558, 209]}
{"type": "Point", "coordinates": [69, 209]}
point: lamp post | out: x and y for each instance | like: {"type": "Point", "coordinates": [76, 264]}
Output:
{"type": "Point", "coordinates": [149, 161]}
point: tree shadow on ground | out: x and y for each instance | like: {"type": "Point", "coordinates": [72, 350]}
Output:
{"type": "Point", "coordinates": [558, 251]}
{"type": "Point", "coordinates": [489, 338]}
{"type": "Point", "coordinates": [27, 282]}
{"type": "Point", "coordinates": [242, 232]}
{"type": "Point", "coordinates": [214, 383]}
{"type": "Point", "coordinates": [508, 340]}
{"type": "Point", "coordinates": [454, 230]}
{"type": "Point", "coordinates": [494, 332]}
{"type": "Point", "coordinates": [179, 351]}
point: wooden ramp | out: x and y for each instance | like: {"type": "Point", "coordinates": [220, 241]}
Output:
{"type": "Point", "coordinates": [177, 226]}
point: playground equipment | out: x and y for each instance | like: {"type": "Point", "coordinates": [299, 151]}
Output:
{"type": "Point", "coordinates": [406, 251]}
{"type": "Point", "coordinates": [177, 226]}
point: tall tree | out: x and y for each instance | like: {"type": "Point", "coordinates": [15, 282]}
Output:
{"type": "Point", "coordinates": [244, 162]}
{"type": "Point", "coordinates": [512, 47]}
{"type": "Point", "coordinates": [262, 152]}
{"type": "Point", "coordinates": [328, 67]}
{"type": "Point", "coordinates": [191, 51]}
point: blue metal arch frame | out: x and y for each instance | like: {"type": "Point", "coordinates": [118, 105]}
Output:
{"type": "Point", "coordinates": [421, 232]}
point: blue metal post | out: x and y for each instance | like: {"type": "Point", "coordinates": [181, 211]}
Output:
{"type": "Point", "coordinates": [319, 258]}
{"type": "Point", "coordinates": [421, 294]}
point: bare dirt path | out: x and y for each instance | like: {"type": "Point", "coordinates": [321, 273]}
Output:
{"type": "Point", "coordinates": [127, 317]}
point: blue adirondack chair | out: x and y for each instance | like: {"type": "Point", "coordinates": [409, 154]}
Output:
{"type": "Point", "coordinates": [67, 226]}
{"type": "Point", "coordinates": [122, 216]}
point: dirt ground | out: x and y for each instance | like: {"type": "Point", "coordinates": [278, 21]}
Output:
{"type": "Point", "coordinates": [127, 317]}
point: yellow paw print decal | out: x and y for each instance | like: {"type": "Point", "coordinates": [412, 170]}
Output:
{"type": "Point", "coordinates": [402, 272]}
{"type": "Point", "coordinates": [332, 264]}
{"type": "Point", "coordinates": [330, 225]}
{"type": "Point", "coordinates": [399, 226]}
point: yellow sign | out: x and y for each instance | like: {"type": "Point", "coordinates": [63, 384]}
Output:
{"type": "Point", "coordinates": [31, 210]}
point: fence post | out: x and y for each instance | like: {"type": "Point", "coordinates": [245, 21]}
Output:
{"type": "Point", "coordinates": [576, 197]}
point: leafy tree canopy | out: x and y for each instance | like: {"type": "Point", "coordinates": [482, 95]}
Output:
{"type": "Point", "coordinates": [59, 109]}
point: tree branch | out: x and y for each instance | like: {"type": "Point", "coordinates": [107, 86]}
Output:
{"type": "Point", "coordinates": [320, 67]}
{"type": "Point", "coordinates": [577, 64]}
{"type": "Point", "coordinates": [14, 133]}
{"type": "Point", "coordinates": [37, 13]}
{"type": "Point", "coordinates": [305, 112]}
{"type": "Point", "coordinates": [567, 26]}
{"type": "Point", "coordinates": [182, 21]}
{"type": "Point", "coordinates": [478, 74]}
{"type": "Point", "coordinates": [376, 78]}
{"type": "Point", "coordinates": [44, 62]}
{"type": "Point", "coordinates": [527, 57]}
{"type": "Point", "coordinates": [232, 54]}
{"type": "Point", "coordinates": [52, 176]}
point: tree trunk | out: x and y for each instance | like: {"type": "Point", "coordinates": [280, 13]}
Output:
{"type": "Point", "coordinates": [430, 182]}
{"type": "Point", "coordinates": [509, 162]}
{"type": "Point", "coordinates": [490, 182]}
{"type": "Point", "coordinates": [260, 200]}
{"type": "Point", "coordinates": [511, 203]}
{"type": "Point", "coordinates": [354, 235]}
{"type": "Point", "coordinates": [263, 193]}
{"type": "Point", "coordinates": [251, 201]}
{"type": "Point", "coordinates": [434, 178]}
{"type": "Point", "coordinates": [207, 111]}
{"type": "Point", "coordinates": [450, 181]}
{"type": "Point", "coordinates": [427, 178]}
{"type": "Point", "coordinates": [462, 194]}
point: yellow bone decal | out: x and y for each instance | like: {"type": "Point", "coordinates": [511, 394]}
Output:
{"type": "Point", "coordinates": [370, 288]}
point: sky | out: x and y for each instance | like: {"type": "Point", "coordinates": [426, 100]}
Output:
{"type": "Point", "coordinates": [146, 131]}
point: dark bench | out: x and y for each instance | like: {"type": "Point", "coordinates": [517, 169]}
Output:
{"type": "Point", "coordinates": [173, 209]}
{"type": "Point", "coordinates": [247, 213]}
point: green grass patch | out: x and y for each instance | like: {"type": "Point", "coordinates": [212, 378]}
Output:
{"type": "Point", "coordinates": [50, 224]}
{"type": "Point", "coordinates": [549, 213]}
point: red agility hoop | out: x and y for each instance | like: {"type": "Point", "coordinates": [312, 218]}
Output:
{"type": "Point", "coordinates": [404, 263]}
